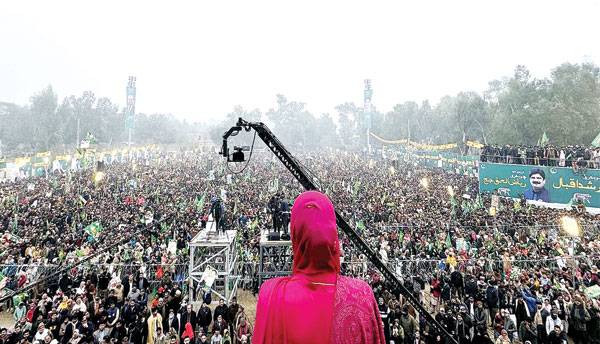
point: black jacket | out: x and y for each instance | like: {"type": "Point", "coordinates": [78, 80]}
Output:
{"type": "Point", "coordinates": [188, 318]}
{"type": "Point", "coordinates": [204, 316]}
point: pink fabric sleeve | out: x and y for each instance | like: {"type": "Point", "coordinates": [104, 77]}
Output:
{"type": "Point", "coordinates": [262, 311]}
{"type": "Point", "coordinates": [356, 316]}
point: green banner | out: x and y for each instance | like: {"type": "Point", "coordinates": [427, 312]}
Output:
{"type": "Point", "coordinates": [560, 185]}
{"type": "Point", "coordinates": [449, 161]}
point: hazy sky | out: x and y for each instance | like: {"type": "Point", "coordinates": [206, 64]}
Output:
{"type": "Point", "coordinates": [198, 59]}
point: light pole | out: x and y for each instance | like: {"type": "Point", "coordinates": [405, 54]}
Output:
{"type": "Point", "coordinates": [130, 109]}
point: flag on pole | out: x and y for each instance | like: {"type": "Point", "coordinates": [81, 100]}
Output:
{"type": "Point", "coordinates": [356, 187]}
{"type": "Point", "coordinates": [453, 205]}
{"type": "Point", "coordinates": [93, 229]}
{"type": "Point", "coordinates": [448, 241]}
{"type": "Point", "coordinates": [544, 140]}
{"type": "Point", "coordinates": [153, 294]}
{"type": "Point", "coordinates": [596, 142]}
{"type": "Point", "coordinates": [200, 202]}
{"type": "Point", "coordinates": [479, 202]}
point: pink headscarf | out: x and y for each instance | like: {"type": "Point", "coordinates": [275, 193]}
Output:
{"type": "Point", "coordinates": [315, 238]}
{"type": "Point", "coordinates": [312, 305]}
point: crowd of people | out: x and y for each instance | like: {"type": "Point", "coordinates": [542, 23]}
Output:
{"type": "Point", "coordinates": [99, 255]}
{"type": "Point", "coordinates": [548, 155]}
{"type": "Point", "coordinates": [508, 277]}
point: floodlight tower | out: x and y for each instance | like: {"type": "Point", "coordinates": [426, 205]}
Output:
{"type": "Point", "coordinates": [130, 109]}
{"type": "Point", "coordinates": [368, 93]}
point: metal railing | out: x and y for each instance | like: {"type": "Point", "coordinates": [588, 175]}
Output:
{"type": "Point", "coordinates": [155, 273]}
{"type": "Point", "coordinates": [593, 163]}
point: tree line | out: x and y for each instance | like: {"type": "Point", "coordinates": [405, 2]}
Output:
{"type": "Point", "coordinates": [45, 124]}
{"type": "Point", "coordinates": [512, 110]}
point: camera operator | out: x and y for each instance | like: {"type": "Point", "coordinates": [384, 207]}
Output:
{"type": "Point", "coordinates": [273, 209]}
{"type": "Point", "coordinates": [217, 210]}
{"type": "Point", "coordinates": [284, 215]}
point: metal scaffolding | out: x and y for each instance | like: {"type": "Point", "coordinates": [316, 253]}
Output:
{"type": "Point", "coordinates": [209, 250]}
{"type": "Point", "coordinates": [275, 258]}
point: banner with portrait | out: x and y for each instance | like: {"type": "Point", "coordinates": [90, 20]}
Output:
{"type": "Point", "coordinates": [560, 185]}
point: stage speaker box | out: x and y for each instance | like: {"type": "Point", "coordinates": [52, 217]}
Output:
{"type": "Point", "coordinates": [273, 236]}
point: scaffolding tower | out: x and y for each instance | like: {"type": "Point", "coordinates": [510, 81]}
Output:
{"type": "Point", "coordinates": [212, 251]}
{"type": "Point", "coordinates": [275, 258]}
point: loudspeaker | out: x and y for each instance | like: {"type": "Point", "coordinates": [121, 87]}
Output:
{"type": "Point", "coordinates": [273, 236]}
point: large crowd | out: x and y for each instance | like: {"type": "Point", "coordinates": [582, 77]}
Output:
{"type": "Point", "coordinates": [547, 155]}
{"type": "Point", "coordinates": [509, 277]}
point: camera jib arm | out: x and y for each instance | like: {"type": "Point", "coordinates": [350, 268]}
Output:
{"type": "Point", "coordinates": [300, 173]}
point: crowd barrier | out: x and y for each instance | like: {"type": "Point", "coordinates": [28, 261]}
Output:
{"type": "Point", "coordinates": [15, 276]}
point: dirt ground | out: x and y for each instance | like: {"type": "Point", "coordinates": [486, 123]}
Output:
{"type": "Point", "coordinates": [246, 299]}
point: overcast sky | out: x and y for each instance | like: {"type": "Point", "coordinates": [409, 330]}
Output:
{"type": "Point", "coordinates": [198, 59]}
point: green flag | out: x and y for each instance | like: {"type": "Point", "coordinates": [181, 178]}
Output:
{"type": "Point", "coordinates": [356, 188]}
{"type": "Point", "coordinates": [360, 225]}
{"type": "Point", "coordinates": [93, 229]}
{"type": "Point", "coordinates": [544, 140]}
{"type": "Point", "coordinates": [596, 142]}
{"type": "Point", "coordinates": [200, 202]}
{"type": "Point", "coordinates": [448, 241]}
{"type": "Point", "coordinates": [517, 205]}
{"type": "Point", "coordinates": [254, 223]}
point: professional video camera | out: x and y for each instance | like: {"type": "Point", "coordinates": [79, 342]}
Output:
{"type": "Point", "coordinates": [238, 153]}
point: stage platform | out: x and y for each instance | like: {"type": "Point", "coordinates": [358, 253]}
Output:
{"type": "Point", "coordinates": [208, 237]}
{"type": "Point", "coordinates": [264, 239]}
{"type": "Point", "coordinates": [275, 258]}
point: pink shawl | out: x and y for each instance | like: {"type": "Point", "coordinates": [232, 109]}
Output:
{"type": "Point", "coordinates": [315, 304]}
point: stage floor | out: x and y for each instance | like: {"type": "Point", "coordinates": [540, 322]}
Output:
{"type": "Point", "coordinates": [264, 240]}
{"type": "Point", "coordinates": [210, 236]}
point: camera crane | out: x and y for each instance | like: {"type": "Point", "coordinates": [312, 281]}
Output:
{"type": "Point", "coordinates": [303, 177]}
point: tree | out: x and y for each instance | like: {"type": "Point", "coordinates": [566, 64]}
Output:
{"type": "Point", "coordinates": [574, 104]}
{"type": "Point", "coordinates": [521, 111]}
{"type": "Point", "coordinates": [351, 128]}
{"type": "Point", "coordinates": [216, 131]}
{"type": "Point", "coordinates": [45, 127]}
{"type": "Point", "coordinates": [289, 120]}
{"type": "Point", "coordinates": [328, 131]}
{"type": "Point", "coordinates": [471, 117]}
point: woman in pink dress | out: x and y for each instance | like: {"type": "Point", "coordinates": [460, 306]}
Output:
{"type": "Point", "coordinates": [316, 304]}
